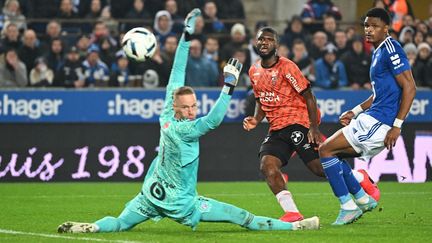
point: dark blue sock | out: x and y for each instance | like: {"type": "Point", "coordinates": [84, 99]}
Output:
{"type": "Point", "coordinates": [351, 182]}
{"type": "Point", "coordinates": [333, 170]}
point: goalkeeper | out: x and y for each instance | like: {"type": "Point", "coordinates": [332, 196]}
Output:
{"type": "Point", "coordinates": [169, 188]}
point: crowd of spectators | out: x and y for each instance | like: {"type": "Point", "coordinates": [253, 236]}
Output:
{"type": "Point", "coordinates": [76, 43]}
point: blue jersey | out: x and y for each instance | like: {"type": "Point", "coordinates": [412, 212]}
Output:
{"type": "Point", "coordinates": [388, 61]}
{"type": "Point", "coordinates": [170, 183]}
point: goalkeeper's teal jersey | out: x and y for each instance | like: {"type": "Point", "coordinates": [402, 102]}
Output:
{"type": "Point", "coordinates": [171, 180]}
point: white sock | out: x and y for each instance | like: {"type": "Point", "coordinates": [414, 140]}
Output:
{"type": "Point", "coordinates": [359, 176]}
{"type": "Point", "coordinates": [349, 205]}
{"type": "Point", "coordinates": [286, 201]}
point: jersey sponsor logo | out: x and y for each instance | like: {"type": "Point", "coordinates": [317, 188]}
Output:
{"type": "Point", "coordinates": [306, 146]}
{"type": "Point", "coordinates": [297, 137]}
{"type": "Point", "coordinates": [395, 59]}
{"type": "Point", "coordinates": [157, 191]}
{"type": "Point", "coordinates": [267, 97]}
{"type": "Point", "coordinates": [294, 82]}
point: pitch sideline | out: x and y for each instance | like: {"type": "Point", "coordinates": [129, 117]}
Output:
{"type": "Point", "coordinates": [13, 232]}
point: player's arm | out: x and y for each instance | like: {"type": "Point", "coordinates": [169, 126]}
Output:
{"type": "Point", "coordinates": [407, 83]}
{"type": "Point", "coordinates": [178, 71]}
{"type": "Point", "coordinates": [251, 122]}
{"type": "Point", "coordinates": [346, 117]}
{"type": "Point", "coordinates": [314, 135]}
{"type": "Point", "coordinates": [215, 117]}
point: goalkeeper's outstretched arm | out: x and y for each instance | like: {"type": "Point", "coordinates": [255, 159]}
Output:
{"type": "Point", "coordinates": [214, 118]}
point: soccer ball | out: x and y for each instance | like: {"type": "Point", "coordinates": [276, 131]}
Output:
{"type": "Point", "coordinates": [139, 44]}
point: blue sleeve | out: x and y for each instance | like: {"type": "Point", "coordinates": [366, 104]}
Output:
{"type": "Point", "coordinates": [212, 120]}
{"type": "Point", "coordinates": [177, 78]}
{"type": "Point", "coordinates": [397, 60]}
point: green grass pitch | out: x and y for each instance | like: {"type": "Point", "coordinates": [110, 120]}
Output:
{"type": "Point", "coordinates": [31, 212]}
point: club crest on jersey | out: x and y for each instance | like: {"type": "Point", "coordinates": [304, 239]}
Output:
{"type": "Point", "coordinates": [297, 137]}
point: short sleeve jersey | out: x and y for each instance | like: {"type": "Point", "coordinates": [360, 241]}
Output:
{"type": "Point", "coordinates": [279, 91]}
{"type": "Point", "coordinates": [388, 61]}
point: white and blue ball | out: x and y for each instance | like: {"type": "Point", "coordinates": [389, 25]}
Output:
{"type": "Point", "coordinates": [139, 44]}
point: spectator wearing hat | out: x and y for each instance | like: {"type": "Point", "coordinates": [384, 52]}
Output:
{"type": "Point", "coordinates": [357, 63]}
{"type": "Point", "coordinates": [13, 72]}
{"type": "Point", "coordinates": [411, 52]}
{"type": "Point", "coordinates": [41, 75]}
{"type": "Point", "coordinates": [96, 72]}
{"type": "Point", "coordinates": [120, 74]}
{"type": "Point", "coordinates": [330, 72]}
{"type": "Point", "coordinates": [406, 35]}
{"type": "Point", "coordinates": [238, 41]}
{"type": "Point", "coordinates": [422, 65]}
{"type": "Point", "coordinates": [162, 26]}
{"type": "Point", "coordinates": [70, 74]}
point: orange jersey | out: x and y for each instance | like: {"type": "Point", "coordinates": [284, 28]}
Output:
{"type": "Point", "coordinates": [279, 91]}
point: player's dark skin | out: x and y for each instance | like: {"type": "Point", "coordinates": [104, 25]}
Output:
{"type": "Point", "coordinates": [270, 166]}
{"type": "Point", "coordinates": [376, 31]}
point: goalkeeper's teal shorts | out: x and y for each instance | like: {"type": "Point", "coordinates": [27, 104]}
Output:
{"type": "Point", "coordinates": [190, 216]}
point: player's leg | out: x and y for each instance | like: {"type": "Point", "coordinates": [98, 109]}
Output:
{"type": "Point", "coordinates": [270, 167]}
{"type": "Point", "coordinates": [125, 221]}
{"type": "Point", "coordinates": [216, 211]}
{"type": "Point", "coordinates": [274, 153]}
{"type": "Point", "coordinates": [340, 177]}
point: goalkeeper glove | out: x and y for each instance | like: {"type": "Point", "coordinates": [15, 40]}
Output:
{"type": "Point", "coordinates": [232, 72]}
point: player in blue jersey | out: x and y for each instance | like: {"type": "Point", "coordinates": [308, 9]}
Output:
{"type": "Point", "coordinates": [373, 125]}
{"type": "Point", "coordinates": [169, 188]}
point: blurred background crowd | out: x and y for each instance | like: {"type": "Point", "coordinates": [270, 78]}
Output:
{"type": "Point", "coordinates": [76, 43]}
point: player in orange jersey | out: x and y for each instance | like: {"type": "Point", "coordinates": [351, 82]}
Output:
{"type": "Point", "coordinates": [284, 96]}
